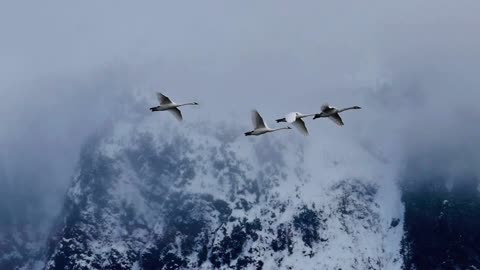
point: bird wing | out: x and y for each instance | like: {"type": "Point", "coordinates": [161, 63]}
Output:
{"type": "Point", "coordinates": [291, 117]}
{"type": "Point", "coordinates": [300, 125]}
{"type": "Point", "coordinates": [325, 107]}
{"type": "Point", "coordinates": [164, 100]}
{"type": "Point", "coordinates": [177, 113]}
{"type": "Point", "coordinates": [257, 120]}
{"type": "Point", "coordinates": [336, 119]}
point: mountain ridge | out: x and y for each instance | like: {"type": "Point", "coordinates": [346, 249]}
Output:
{"type": "Point", "coordinates": [189, 199]}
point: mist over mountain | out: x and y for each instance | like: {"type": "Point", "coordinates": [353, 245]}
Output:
{"type": "Point", "coordinates": [89, 178]}
{"type": "Point", "coordinates": [150, 193]}
{"type": "Point", "coordinates": [208, 198]}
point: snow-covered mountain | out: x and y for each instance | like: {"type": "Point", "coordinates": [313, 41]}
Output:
{"type": "Point", "coordinates": [148, 196]}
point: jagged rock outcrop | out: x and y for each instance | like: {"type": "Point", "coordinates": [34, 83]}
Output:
{"type": "Point", "coordinates": [197, 199]}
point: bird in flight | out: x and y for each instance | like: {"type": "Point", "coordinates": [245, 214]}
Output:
{"type": "Point", "coordinates": [295, 118]}
{"type": "Point", "coordinates": [166, 104]}
{"type": "Point", "coordinates": [333, 113]}
{"type": "Point", "coordinates": [260, 127]}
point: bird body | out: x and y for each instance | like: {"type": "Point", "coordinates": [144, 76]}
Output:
{"type": "Point", "coordinates": [258, 131]}
{"type": "Point", "coordinates": [333, 113]}
{"type": "Point", "coordinates": [260, 127]}
{"type": "Point", "coordinates": [166, 104]}
{"type": "Point", "coordinates": [295, 118]}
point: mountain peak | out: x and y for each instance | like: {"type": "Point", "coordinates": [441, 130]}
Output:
{"type": "Point", "coordinates": [170, 198]}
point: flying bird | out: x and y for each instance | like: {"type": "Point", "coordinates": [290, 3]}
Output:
{"type": "Point", "coordinates": [168, 105]}
{"type": "Point", "coordinates": [260, 126]}
{"type": "Point", "coordinates": [295, 118]}
{"type": "Point", "coordinates": [333, 113]}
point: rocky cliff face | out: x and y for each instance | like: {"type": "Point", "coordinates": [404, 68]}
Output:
{"type": "Point", "coordinates": [194, 198]}
{"type": "Point", "coordinates": [441, 224]}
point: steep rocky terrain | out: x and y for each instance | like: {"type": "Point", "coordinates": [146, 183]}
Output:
{"type": "Point", "coordinates": [441, 224]}
{"type": "Point", "coordinates": [194, 198]}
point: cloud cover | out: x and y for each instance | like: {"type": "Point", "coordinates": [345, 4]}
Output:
{"type": "Point", "coordinates": [70, 68]}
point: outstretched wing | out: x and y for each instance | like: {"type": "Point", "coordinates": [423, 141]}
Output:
{"type": "Point", "coordinates": [257, 120]}
{"type": "Point", "coordinates": [336, 119]}
{"type": "Point", "coordinates": [164, 100]}
{"type": "Point", "coordinates": [325, 107]}
{"type": "Point", "coordinates": [300, 125]}
{"type": "Point", "coordinates": [177, 113]}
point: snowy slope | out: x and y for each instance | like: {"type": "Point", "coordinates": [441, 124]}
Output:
{"type": "Point", "coordinates": [150, 195]}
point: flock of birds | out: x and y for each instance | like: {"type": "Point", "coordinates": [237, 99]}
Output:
{"type": "Point", "coordinates": [260, 127]}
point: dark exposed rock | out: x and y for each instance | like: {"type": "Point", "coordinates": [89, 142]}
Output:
{"type": "Point", "coordinates": [308, 223]}
{"type": "Point", "coordinates": [394, 222]}
{"type": "Point", "coordinates": [441, 225]}
{"type": "Point", "coordinates": [178, 204]}
{"type": "Point", "coordinates": [283, 240]}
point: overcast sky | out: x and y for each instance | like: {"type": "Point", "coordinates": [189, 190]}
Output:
{"type": "Point", "coordinates": [70, 67]}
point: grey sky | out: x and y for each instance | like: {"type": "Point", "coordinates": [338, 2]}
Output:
{"type": "Point", "coordinates": [69, 66]}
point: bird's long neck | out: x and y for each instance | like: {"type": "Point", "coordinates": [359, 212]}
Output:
{"type": "Point", "coordinates": [348, 108]}
{"type": "Point", "coordinates": [275, 129]}
{"type": "Point", "coordinates": [306, 115]}
{"type": "Point", "coordinates": [186, 104]}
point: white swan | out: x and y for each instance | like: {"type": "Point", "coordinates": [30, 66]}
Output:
{"type": "Point", "coordinates": [167, 105]}
{"type": "Point", "coordinates": [332, 113]}
{"type": "Point", "coordinates": [295, 118]}
{"type": "Point", "coordinates": [260, 126]}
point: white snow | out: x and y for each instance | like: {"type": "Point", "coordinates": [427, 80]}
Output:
{"type": "Point", "coordinates": [295, 174]}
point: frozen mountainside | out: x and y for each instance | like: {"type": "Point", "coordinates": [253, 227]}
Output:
{"type": "Point", "coordinates": [148, 196]}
